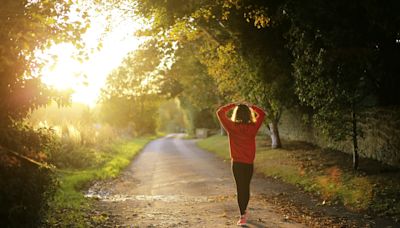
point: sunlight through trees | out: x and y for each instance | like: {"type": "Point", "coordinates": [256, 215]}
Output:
{"type": "Point", "coordinates": [80, 75]}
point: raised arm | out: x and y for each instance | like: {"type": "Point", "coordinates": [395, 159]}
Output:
{"type": "Point", "coordinates": [221, 113]}
{"type": "Point", "coordinates": [260, 115]}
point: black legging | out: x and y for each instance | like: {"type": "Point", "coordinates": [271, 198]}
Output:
{"type": "Point", "coordinates": [242, 173]}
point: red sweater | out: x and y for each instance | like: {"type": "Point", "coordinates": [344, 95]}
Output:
{"type": "Point", "coordinates": [242, 137]}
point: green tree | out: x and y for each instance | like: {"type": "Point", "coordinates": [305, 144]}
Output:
{"type": "Point", "coordinates": [194, 88]}
{"type": "Point", "coordinates": [131, 94]}
{"type": "Point", "coordinates": [27, 27]}
{"type": "Point", "coordinates": [245, 62]}
{"type": "Point", "coordinates": [171, 117]}
{"type": "Point", "coordinates": [343, 61]}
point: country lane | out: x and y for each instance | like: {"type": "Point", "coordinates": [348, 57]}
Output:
{"type": "Point", "coordinates": [173, 183]}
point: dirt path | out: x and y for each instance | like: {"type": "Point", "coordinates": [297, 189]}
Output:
{"type": "Point", "coordinates": [172, 183]}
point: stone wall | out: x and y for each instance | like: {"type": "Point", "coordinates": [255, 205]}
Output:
{"type": "Point", "coordinates": [381, 127]}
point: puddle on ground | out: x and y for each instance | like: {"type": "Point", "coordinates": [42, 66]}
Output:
{"type": "Point", "coordinates": [163, 198]}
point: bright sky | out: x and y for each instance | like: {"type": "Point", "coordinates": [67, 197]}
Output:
{"type": "Point", "coordinates": [88, 77]}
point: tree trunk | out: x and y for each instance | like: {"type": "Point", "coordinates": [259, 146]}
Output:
{"type": "Point", "coordinates": [274, 133]}
{"type": "Point", "coordinates": [355, 142]}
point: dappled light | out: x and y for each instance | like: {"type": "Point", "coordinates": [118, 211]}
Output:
{"type": "Point", "coordinates": [120, 113]}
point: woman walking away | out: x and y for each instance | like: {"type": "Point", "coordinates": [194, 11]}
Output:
{"type": "Point", "coordinates": [242, 129]}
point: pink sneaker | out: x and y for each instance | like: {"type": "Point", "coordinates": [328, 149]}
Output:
{"type": "Point", "coordinates": [242, 221]}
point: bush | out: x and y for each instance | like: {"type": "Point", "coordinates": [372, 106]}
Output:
{"type": "Point", "coordinates": [25, 186]}
{"type": "Point", "coordinates": [74, 156]}
{"type": "Point", "coordinates": [78, 146]}
{"type": "Point", "coordinates": [24, 193]}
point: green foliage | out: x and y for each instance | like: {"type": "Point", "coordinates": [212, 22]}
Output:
{"type": "Point", "coordinates": [81, 150]}
{"type": "Point", "coordinates": [203, 10]}
{"type": "Point", "coordinates": [131, 96]}
{"type": "Point", "coordinates": [171, 117]}
{"type": "Point", "coordinates": [243, 62]}
{"type": "Point", "coordinates": [333, 82]}
{"type": "Point", "coordinates": [27, 27]}
{"type": "Point", "coordinates": [336, 57]}
{"type": "Point", "coordinates": [338, 63]}
{"type": "Point", "coordinates": [23, 138]}
{"type": "Point", "coordinates": [26, 187]}
{"type": "Point", "coordinates": [189, 81]}
{"type": "Point", "coordinates": [116, 111]}
{"type": "Point", "coordinates": [189, 113]}
{"type": "Point", "coordinates": [137, 115]}
{"type": "Point", "coordinates": [75, 129]}
{"type": "Point", "coordinates": [75, 156]}
{"type": "Point", "coordinates": [190, 78]}
{"type": "Point", "coordinates": [226, 67]}
{"type": "Point", "coordinates": [69, 206]}
{"type": "Point", "coordinates": [24, 194]}
{"type": "Point", "coordinates": [349, 45]}
{"type": "Point", "coordinates": [54, 114]}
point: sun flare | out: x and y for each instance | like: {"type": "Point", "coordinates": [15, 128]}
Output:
{"type": "Point", "coordinates": [64, 72]}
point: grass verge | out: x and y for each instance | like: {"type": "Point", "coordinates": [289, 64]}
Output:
{"type": "Point", "coordinates": [373, 189]}
{"type": "Point", "coordinates": [69, 207]}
